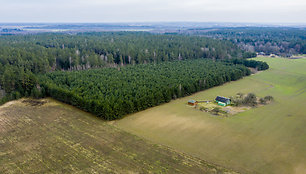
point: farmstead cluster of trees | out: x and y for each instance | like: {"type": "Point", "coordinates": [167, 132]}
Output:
{"type": "Point", "coordinates": [111, 93]}
{"type": "Point", "coordinates": [249, 99]}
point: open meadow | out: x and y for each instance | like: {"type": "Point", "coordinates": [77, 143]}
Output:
{"type": "Point", "coordinates": [46, 136]}
{"type": "Point", "coordinates": [267, 139]}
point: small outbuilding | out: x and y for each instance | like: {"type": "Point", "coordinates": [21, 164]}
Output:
{"type": "Point", "coordinates": [222, 100]}
{"type": "Point", "coordinates": [221, 104]}
{"type": "Point", "coordinates": [192, 102]}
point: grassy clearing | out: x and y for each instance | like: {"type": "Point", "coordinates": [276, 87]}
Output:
{"type": "Point", "coordinates": [46, 136]}
{"type": "Point", "coordinates": [267, 139]}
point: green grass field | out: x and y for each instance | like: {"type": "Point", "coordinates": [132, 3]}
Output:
{"type": "Point", "coordinates": [268, 139]}
{"type": "Point", "coordinates": [57, 138]}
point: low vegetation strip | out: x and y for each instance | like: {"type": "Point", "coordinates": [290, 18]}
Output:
{"type": "Point", "coordinates": [56, 138]}
{"type": "Point", "coordinates": [111, 93]}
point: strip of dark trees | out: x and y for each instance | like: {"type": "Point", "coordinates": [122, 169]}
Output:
{"type": "Point", "coordinates": [259, 65]}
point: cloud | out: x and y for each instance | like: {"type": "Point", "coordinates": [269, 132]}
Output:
{"type": "Point", "coordinates": [152, 10]}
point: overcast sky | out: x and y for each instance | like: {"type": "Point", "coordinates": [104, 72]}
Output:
{"type": "Point", "coordinates": [257, 11]}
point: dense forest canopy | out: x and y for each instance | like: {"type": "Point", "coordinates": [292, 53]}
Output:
{"type": "Point", "coordinates": [45, 52]}
{"type": "Point", "coordinates": [111, 74]}
{"type": "Point", "coordinates": [113, 92]}
{"type": "Point", "coordinates": [23, 56]}
{"type": "Point", "coordinates": [283, 41]}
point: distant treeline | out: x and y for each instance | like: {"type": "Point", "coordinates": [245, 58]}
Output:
{"type": "Point", "coordinates": [282, 41]}
{"type": "Point", "coordinates": [111, 93]}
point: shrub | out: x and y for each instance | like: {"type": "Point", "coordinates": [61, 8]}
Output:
{"type": "Point", "coordinates": [269, 98]}
{"type": "Point", "coordinates": [250, 100]}
{"type": "Point", "coordinates": [262, 101]}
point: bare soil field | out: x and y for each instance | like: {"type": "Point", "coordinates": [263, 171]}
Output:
{"type": "Point", "coordinates": [46, 136]}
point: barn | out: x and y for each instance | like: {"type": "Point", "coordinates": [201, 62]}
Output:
{"type": "Point", "coordinates": [223, 101]}
{"type": "Point", "coordinates": [192, 102]}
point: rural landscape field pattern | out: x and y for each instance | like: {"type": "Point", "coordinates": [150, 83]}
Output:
{"type": "Point", "coordinates": [58, 138]}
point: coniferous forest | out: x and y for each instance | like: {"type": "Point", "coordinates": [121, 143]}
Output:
{"type": "Point", "coordinates": [22, 57]}
{"type": "Point", "coordinates": [111, 93]}
{"type": "Point", "coordinates": [112, 74]}
{"type": "Point", "coordinates": [49, 52]}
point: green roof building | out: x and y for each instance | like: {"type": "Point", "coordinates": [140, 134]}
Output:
{"type": "Point", "coordinates": [224, 100]}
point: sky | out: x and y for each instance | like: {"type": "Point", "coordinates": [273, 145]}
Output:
{"type": "Point", "coordinates": [96, 11]}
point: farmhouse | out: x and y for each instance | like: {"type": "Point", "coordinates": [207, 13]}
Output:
{"type": "Point", "coordinates": [192, 102]}
{"type": "Point", "coordinates": [223, 101]}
